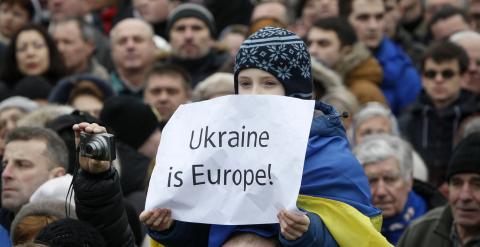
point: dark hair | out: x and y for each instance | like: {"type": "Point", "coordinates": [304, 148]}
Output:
{"type": "Point", "coordinates": [55, 147]}
{"type": "Point", "coordinates": [170, 69]}
{"type": "Point", "coordinates": [444, 13]}
{"type": "Point", "coordinates": [339, 25]}
{"type": "Point", "coordinates": [10, 72]}
{"type": "Point", "coordinates": [442, 51]}
{"type": "Point", "coordinates": [86, 87]}
{"type": "Point", "coordinates": [345, 8]}
{"type": "Point", "coordinates": [25, 4]}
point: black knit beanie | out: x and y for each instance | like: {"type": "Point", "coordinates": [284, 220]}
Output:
{"type": "Point", "coordinates": [187, 10]}
{"type": "Point", "coordinates": [131, 120]}
{"type": "Point", "coordinates": [280, 53]}
{"type": "Point", "coordinates": [466, 156]}
{"type": "Point", "coordinates": [33, 87]}
{"type": "Point", "coordinates": [70, 232]}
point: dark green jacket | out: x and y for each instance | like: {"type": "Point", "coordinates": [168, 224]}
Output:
{"type": "Point", "coordinates": [433, 229]}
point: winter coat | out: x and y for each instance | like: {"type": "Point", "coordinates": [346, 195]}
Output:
{"type": "Point", "coordinates": [431, 230]}
{"type": "Point", "coordinates": [431, 132]}
{"type": "Point", "coordinates": [99, 201]}
{"type": "Point", "coordinates": [201, 68]}
{"type": "Point", "coordinates": [401, 82]}
{"type": "Point", "coordinates": [422, 198]}
{"type": "Point", "coordinates": [334, 191]}
{"type": "Point", "coordinates": [362, 74]}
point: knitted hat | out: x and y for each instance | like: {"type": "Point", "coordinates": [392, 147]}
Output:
{"type": "Point", "coordinates": [33, 87]}
{"type": "Point", "coordinates": [70, 232]}
{"type": "Point", "coordinates": [131, 120]}
{"type": "Point", "coordinates": [187, 10]}
{"type": "Point", "coordinates": [466, 156]}
{"type": "Point", "coordinates": [280, 53]}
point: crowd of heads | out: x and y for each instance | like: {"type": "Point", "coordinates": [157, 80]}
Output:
{"type": "Point", "coordinates": [403, 75]}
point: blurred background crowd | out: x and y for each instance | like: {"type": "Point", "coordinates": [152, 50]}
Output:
{"type": "Point", "coordinates": [404, 74]}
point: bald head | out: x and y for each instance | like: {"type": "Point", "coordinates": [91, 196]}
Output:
{"type": "Point", "coordinates": [133, 25]}
{"type": "Point", "coordinates": [470, 42]}
{"type": "Point", "coordinates": [132, 45]}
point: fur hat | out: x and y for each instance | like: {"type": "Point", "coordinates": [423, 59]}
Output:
{"type": "Point", "coordinates": [26, 104]}
{"type": "Point", "coordinates": [187, 10]}
{"type": "Point", "coordinates": [70, 232]}
{"type": "Point", "coordinates": [40, 208]}
{"type": "Point", "coordinates": [466, 156]}
{"type": "Point", "coordinates": [132, 121]}
{"type": "Point", "coordinates": [280, 53]}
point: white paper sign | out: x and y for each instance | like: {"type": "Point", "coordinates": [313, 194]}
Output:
{"type": "Point", "coordinates": [232, 160]}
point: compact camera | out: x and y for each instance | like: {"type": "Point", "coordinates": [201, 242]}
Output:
{"type": "Point", "coordinates": [97, 146]}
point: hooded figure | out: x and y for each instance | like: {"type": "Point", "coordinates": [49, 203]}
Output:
{"type": "Point", "coordinates": [334, 192]}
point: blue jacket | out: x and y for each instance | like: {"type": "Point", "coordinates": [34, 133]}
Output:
{"type": "Point", "coordinates": [330, 171]}
{"type": "Point", "coordinates": [401, 81]}
{"type": "Point", "coordinates": [4, 237]}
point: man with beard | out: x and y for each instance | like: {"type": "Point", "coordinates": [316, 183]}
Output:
{"type": "Point", "coordinates": [191, 32]}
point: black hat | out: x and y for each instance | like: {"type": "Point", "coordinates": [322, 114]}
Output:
{"type": "Point", "coordinates": [131, 120]}
{"type": "Point", "coordinates": [187, 10]}
{"type": "Point", "coordinates": [466, 156]}
{"type": "Point", "coordinates": [33, 87]}
{"type": "Point", "coordinates": [70, 232]}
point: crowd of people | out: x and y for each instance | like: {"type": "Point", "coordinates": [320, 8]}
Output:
{"type": "Point", "coordinates": [397, 90]}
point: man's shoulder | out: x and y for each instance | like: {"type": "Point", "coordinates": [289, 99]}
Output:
{"type": "Point", "coordinates": [429, 218]}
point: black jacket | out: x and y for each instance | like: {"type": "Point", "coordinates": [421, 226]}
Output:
{"type": "Point", "coordinates": [431, 132]}
{"type": "Point", "coordinates": [99, 201]}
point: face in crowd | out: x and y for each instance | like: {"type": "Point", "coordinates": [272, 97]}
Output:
{"type": "Point", "coordinates": [464, 198]}
{"type": "Point", "coordinates": [441, 81]}
{"type": "Point", "coordinates": [32, 53]}
{"type": "Point", "coordinates": [324, 46]}
{"type": "Point", "coordinates": [166, 92]}
{"type": "Point", "coordinates": [74, 48]}
{"type": "Point", "coordinates": [259, 82]}
{"type": "Point", "coordinates": [374, 125]}
{"type": "Point", "coordinates": [190, 38]}
{"type": "Point", "coordinates": [25, 167]}
{"type": "Point", "coordinates": [388, 186]}
{"type": "Point", "coordinates": [132, 45]}
{"type": "Point", "coordinates": [368, 20]}
{"type": "Point", "coordinates": [12, 18]}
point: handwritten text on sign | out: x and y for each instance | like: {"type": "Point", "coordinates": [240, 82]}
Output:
{"type": "Point", "coordinates": [232, 160]}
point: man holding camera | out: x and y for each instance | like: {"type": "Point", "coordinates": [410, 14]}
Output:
{"type": "Point", "coordinates": [98, 195]}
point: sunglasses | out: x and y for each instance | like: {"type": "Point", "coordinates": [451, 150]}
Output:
{"type": "Point", "coordinates": [446, 74]}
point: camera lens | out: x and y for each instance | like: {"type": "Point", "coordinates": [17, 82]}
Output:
{"type": "Point", "coordinates": [91, 149]}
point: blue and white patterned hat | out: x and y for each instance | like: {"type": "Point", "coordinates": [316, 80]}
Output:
{"type": "Point", "coordinates": [280, 53]}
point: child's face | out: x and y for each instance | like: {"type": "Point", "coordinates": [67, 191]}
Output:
{"type": "Point", "coordinates": [256, 81]}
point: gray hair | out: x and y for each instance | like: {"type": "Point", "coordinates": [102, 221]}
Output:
{"type": "Point", "coordinates": [380, 147]}
{"type": "Point", "coordinates": [467, 34]}
{"type": "Point", "coordinates": [56, 150]}
{"type": "Point", "coordinates": [217, 84]}
{"type": "Point", "coordinates": [472, 126]}
{"type": "Point", "coordinates": [371, 110]}
{"type": "Point", "coordinates": [86, 30]}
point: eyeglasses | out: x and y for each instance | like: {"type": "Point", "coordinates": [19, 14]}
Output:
{"type": "Point", "coordinates": [446, 73]}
